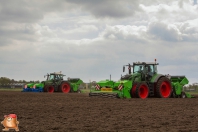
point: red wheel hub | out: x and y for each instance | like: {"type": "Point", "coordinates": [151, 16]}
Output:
{"type": "Point", "coordinates": [50, 89]}
{"type": "Point", "coordinates": [143, 91]}
{"type": "Point", "coordinates": [165, 89]}
{"type": "Point", "coordinates": [65, 88]}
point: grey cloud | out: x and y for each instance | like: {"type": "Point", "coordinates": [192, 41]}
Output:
{"type": "Point", "coordinates": [161, 31]}
{"type": "Point", "coordinates": [195, 2]}
{"type": "Point", "coordinates": [17, 33]}
{"type": "Point", "coordinates": [19, 11]}
{"type": "Point", "coordinates": [109, 8]}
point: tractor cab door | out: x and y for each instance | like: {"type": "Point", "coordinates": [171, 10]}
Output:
{"type": "Point", "coordinates": [149, 71]}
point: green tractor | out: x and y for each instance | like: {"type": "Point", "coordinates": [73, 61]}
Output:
{"type": "Point", "coordinates": [144, 81]}
{"type": "Point", "coordinates": [56, 83]}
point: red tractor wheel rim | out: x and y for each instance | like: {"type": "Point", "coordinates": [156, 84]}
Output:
{"type": "Point", "coordinates": [133, 90]}
{"type": "Point", "coordinates": [65, 88]}
{"type": "Point", "coordinates": [165, 89]}
{"type": "Point", "coordinates": [143, 91]}
{"type": "Point", "coordinates": [51, 89]}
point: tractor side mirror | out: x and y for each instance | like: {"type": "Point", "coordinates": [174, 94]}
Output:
{"type": "Point", "coordinates": [129, 69]}
{"type": "Point", "coordinates": [123, 69]}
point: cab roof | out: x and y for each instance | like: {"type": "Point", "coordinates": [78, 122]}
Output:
{"type": "Point", "coordinates": [145, 63]}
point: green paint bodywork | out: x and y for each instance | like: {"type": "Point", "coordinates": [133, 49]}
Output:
{"type": "Point", "coordinates": [75, 83]}
{"type": "Point", "coordinates": [39, 85]}
{"type": "Point", "coordinates": [178, 83]}
{"type": "Point", "coordinates": [30, 85]}
{"type": "Point", "coordinates": [106, 83]}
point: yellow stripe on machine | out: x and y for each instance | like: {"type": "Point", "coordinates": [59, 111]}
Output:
{"type": "Point", "coordinates": [106, 89]}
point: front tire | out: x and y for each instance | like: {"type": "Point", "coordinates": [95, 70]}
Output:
{"type": "Point", "coordinates": [163, 88]}
{"type": "Point", "coordinates": [133, 89]}
{"type": "Point", "coordinates": [142, 90]}
{"type": "Point", "coordinates": [49, 89]}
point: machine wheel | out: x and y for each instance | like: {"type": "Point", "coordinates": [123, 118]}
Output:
{"type": "Point", "coordinates": [173, 95]}
{"type": "Point", "coordinates": [163, 88]}
{"type": "Point", "coordinates": [183, 95]}
{"type": "Point", "coordinates": [133, 89]}
{"type": "Point", "coordinates": [49, 89]}
{"type": "Point", "coordinates": [142, 90]}
{"type": "Point", "coordinates": [65, 87]}
{"type": "Point", "coordinates": [79, 91]}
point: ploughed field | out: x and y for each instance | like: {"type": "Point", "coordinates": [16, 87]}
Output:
{"type": "Point", "coordinates": [41, 112]}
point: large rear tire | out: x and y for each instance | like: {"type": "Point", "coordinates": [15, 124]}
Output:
{"type": "Point", "coordinates": [163, 88]}
{"type": "Point", "coordinates": [65, 87]}
{"type": "Point", "coordinates": [142, 90]}
{"type": "Point", "coordinates": [49, 89]}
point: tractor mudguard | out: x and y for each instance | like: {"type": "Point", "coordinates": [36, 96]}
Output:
{"type": "Point", "coordinates": [156, 77]}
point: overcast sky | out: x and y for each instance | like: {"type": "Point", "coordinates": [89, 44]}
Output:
{"type": "Point", "coordinates": [92, 39]}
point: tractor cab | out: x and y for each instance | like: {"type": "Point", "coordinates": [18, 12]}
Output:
{"type": "Point", "coordinates": [54, 76]}
{"type": "Point", "coordinates": [146, 69]}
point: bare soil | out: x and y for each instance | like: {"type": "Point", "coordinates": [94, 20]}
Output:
{"type": "Point", "coordinates": [43, 112]}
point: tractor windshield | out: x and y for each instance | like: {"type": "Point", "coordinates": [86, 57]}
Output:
{"type": "Point", "coordinates": [137, 68]}
{"type": "Point", "coordinates": [50, 77]}
{"type": "Point", "coordinates": [148, 68]}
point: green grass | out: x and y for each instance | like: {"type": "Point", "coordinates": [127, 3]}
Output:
{"type": "Point", "coordinates": [20, 89]}
{"type": "Point", "coordinates": [85, 90]}
{"type": "Point", "coordinates": [11, 89]}
{"type": "Point", "coordinates": [193, 93]}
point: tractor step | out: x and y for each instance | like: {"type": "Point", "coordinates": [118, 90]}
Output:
{"type": "Point", "coordinates": [151, 89]}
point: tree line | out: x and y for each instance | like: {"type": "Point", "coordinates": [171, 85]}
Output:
{"type": "Point", "coordinates": [7, 81]}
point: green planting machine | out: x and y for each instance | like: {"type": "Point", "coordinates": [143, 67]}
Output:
{"type": "Point", "coordinates": [142, 81]}
{"type": "Point", "coordinates": [55, 83]}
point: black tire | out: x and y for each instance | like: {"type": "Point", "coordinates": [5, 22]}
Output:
{"type": "Point", "coordinates": [45, 88]}
{"type": "Point", "coordinates": [142, 90]}
{"type": "Point", "coordinates": [173, 95]}
{"type": "Point", "coordinates": [79, 91]}
{"type": "Point", "coordinates": [133, 90]}
{"type": "Point", "coordinates": [183, 95]}
{"type": "Point", "coordinates": [50, 89]}
{"type": "Point", "coordinates": [163, 88]}
{"type": "Point", "coordinates": [65, 87]}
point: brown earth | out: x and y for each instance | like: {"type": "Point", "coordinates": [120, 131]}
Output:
{"type": "Point", "coordinates": [43, 112]}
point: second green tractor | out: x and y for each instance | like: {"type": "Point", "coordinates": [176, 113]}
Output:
{"type": "Point", "coordinates": [142, 81]}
